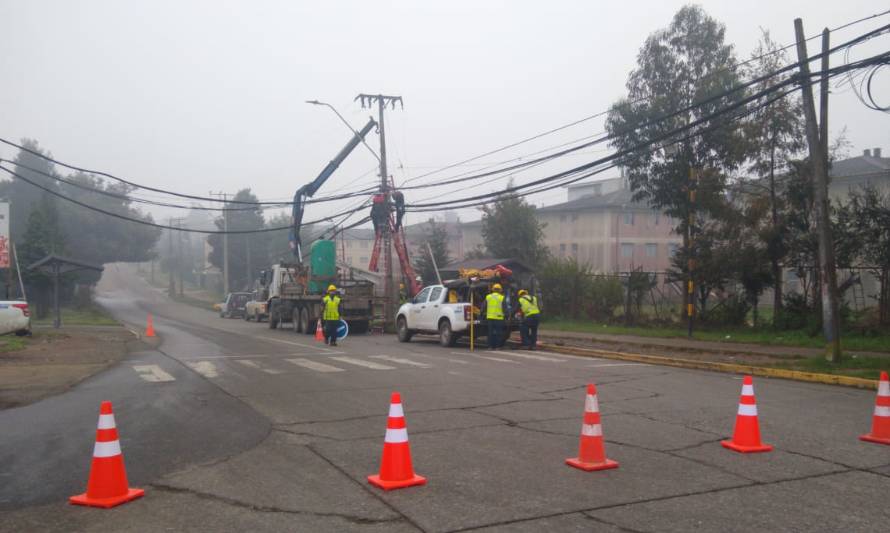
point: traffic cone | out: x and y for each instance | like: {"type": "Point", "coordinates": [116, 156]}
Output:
{"type": "Point", "coordinates": [880, 423]}
{"type": "Point", "coordinates": [319, 336]}
{"type": "Point", "coordinates": [149, 327]}
{"type": "Point", "coordinates": [107, 486]}
{"type": "Point", "coordinates": [591, 452]}
{"type": "Point", "coordinates": [396, 471]}
{"type": "Point", "coordinates": [746, 438]}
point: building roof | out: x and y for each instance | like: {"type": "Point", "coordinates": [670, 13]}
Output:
{"type": "Point", "coordinates": [583, 184]}
{"type": "Point", "coordinates": [619, 198]}
{"type": "Point", "coordinates": [859, 166]}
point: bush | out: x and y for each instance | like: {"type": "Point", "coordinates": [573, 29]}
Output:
{"type": "Point", "coordinates": [571, 290]}
{"type": "Point", "coordinates": [605, 293]}
{"type": "Point", "coordinates": [730, 312]}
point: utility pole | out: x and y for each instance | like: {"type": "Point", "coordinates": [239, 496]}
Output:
{"type": "Point", "coordinates": [690, 265]}
{"type": "Point", "coordinates": [225, 198]}
{"type": "Point", "coordinates": [171, 287]}
{"type": "Point", "coordinates": [819, 161]}
{"type": "Point", "coordinates": [179, 259]}
{"type": "Point", "coordinates": [382, 101]}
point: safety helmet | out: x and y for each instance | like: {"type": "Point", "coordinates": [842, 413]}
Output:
{"type": "Point", "coordinates": [497, 287]}
{"type": "Point", "coordinates": [332, 288]}
{"type": "Point", "coordinates": [522, 292]}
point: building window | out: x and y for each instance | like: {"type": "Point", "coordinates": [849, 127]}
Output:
{"type": "Point", "coordinates": [562, 250]}
{"type": "Point", "coordinates": [651, 249]}
{"type": "Point", "coordinates": [673, 248]}
{"type": "Point", "coordinates": [627, 249]}
{"type": "Point", "coordinates": [629, 219]}
{"type": "Point", "coordinates": [575, 250]}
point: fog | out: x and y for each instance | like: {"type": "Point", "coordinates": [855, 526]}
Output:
{"type": "Point", "coordinates": [208, 95]}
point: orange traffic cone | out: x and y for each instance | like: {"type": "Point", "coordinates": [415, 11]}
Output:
{"type": "Point", "coordinates": [396, 471]}
{"type": "Point", "coordinates": [319, 336]}
{"type": "Point", "coordinates": [107, 486]}
{"type": "Point", "coordinates": [149, 327]}
{"type": "Point", "coordinates": [591, 452]}
{"type": "Point", "coordinates": [880, 424]}
{"type": "Point", "coordinates": [746, 438]}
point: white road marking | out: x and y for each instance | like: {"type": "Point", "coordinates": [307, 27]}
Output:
{"type": "Point", "coordinates": [367, 364]}
{"type": "Point", "coordinates": [292, 343]}
{"type": "Point", "coordinates": [205, 368]}
{"type": "Point", "coordinates": [400, 360]}
{"type": "Point", "coordinates": [314, 365]}
{"type": "Point", "coordinates": [257, 366]}
{"type": "Point", "coordinates": [152, 373]}
{"type": "Point", "coordinates": [535, 357]}
{"type": "Point", "coordinates": [257, 355]}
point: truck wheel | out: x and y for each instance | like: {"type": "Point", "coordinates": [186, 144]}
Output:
{"type": "Point", "coordinates": [447, 338]}
{"type": "Point", "coordinates": [246, 317]}
{"type": "Point", "coordinates": [273, 318]}
{"type": "Point", "coordinates": [402, 330]}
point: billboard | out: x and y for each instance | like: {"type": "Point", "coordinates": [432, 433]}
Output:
{"type": "Point", "coordinates": [4, 235]}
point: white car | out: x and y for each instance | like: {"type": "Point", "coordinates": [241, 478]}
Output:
{"type": "Point", "coordinates": [15, 317]}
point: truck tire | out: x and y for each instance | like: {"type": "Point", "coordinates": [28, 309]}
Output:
{"type": "Point", "coordinates": [447, 338]}
{"type": "Point", "coordinates": [273, 316]}
{"type": "Point", "coordinates": [402, 330]}
{"type": "Point", "coordinates": [246, 316]}
{"type": "Point", "coordinates": [299, 326]}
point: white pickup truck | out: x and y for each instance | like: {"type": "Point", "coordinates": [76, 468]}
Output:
{"type": "Point", "coordinates": [433, 312]}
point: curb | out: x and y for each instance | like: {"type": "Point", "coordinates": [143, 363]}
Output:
{"type": "Point", "coordinates": [731, 368]}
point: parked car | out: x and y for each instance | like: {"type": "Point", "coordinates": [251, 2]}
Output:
{"type": "Point", "coordinates": [15, 317]}
{"type": "Point", "coordinates": [256, 308]}
{"type": "Point", "coordinates": [233, 307]}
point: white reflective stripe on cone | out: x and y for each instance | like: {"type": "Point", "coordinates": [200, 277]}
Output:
{"type": "Point", "coordinates": [881, 410]}
{"type": "Point", "coordinates": [395, 410]}
{"type": "Point", "coordinates": [747, 390]}
{"type": "Point", "coordinates": [106, 422]}
{"type": "Point", "coordinates": [747, 409]}
{"type": "Point", "coordinates": [107, 449]}
{"type": "Point", "coordinates": [592, 404]}
{"type": "Point", "coordinates": [884, 388]}
{"type": "Point", "coordinates": [394, 436]}
{"type": "Point", "coordinates": [592, 430]}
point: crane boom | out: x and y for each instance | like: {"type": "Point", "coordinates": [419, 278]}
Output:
{"type": "Point", "coordinates": [309, 190]}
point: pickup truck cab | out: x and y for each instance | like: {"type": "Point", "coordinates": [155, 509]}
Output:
{"type": "Point", "coordinates": [431, 312]}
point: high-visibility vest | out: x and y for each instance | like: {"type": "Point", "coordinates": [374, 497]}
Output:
{"type": "Point", "coordinates": [494, 306]}
{"type": "Point", "coordinates": [331, 307]}
{"type": "Point", "coordinates": [529, 305]}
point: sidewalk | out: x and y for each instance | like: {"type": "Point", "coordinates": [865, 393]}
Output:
{"type": "Point", "coordinates": [690, 345]}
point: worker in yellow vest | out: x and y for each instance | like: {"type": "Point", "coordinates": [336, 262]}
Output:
{"type": "Point", "coordinates": [494, 315]}
{"type": "Point", "coordinates": [331, 316]}
{"type": "Point", "coordinates": [531, 313]}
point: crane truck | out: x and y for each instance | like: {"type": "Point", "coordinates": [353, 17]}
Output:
{"type": "Point", "coordinates": [294, 290]}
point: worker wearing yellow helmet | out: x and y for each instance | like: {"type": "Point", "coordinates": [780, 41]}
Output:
{"type": "Point", "coordinates": [531, 314]}
{"type": "Point", "coordinates": [494, 315]}
{"type": "Point", "coordinates": [331, 316]}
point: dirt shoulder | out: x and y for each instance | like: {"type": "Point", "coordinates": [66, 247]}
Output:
{"type": "Point", "coordinates": [53, 361]}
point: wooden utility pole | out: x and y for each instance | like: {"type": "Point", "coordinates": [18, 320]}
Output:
{"type": "Point", "coordinates": [389, 287]}
{"type": "Point", "coordinates": [225, 198]}
{"type": "Point", "coordinates": [690, 266]}
{"type": "Point", "coordinates": [819, 160]}
{"type": "Point", "coordinates": [171, 287]}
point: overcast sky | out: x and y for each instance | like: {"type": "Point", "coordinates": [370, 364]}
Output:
{"type": "Point", "coordinates": [197, 96]}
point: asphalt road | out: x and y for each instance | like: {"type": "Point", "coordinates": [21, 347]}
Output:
{"type": "Point", "coordinates": [230, 426]}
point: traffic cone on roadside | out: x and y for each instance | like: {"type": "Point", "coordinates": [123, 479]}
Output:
{"type": "Point", "coordinates": [591, 452]}
{"type": "Point", "coordinates": [107, 485]}
{"type": "Point", "coordinates": [746, 437]}
{"type": "Point", "coordinates": [319, 336]}
{"type": "Point", "coordinates": [396, 471]}
{"type": "Point", "coordinates": [880, 424]}
{"type": "Point", "coordinates": [149, 327]}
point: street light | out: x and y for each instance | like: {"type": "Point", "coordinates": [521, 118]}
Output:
{"type": "Point", "coordinates": [332, 108]}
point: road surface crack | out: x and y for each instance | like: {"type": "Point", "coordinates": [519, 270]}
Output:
{"type": "Point", "coordinates": [272, 509]}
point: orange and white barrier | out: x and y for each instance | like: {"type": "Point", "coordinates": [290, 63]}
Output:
{"type": "Point", "coordinates": [880, 423]}
{"type": "Point", "coordinates": [746, 437]}
{"type": "Point", "coordinates": [591, 451]}
{"type": "Point", "coordinates": [396, 471]}
{"type": "Point", "coordinates": [107, 485]}
{"type": "Point", "coordinates": [149, 327]}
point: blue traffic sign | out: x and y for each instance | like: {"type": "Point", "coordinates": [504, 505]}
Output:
{"type": "Point", "coordinates": [342, 330]}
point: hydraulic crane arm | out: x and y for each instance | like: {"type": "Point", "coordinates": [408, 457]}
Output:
{"type": "Point", "coordinates": [309, 190]}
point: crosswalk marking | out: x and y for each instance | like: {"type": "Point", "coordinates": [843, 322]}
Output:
{"type": "Point", "coordinates": [314, 365]}
{"type": "Point", "coordinates": [536, 357]}
{"type": "Point", "coordinates": [366, 364]}
{"type": "Point", "coordinates": [205, 368]}
{"type": "Point", "coordinates": [257, 366]}
{"type": "Point", "coordinates": [401, 360]}
{"type": "Point", "coordinates": [152, 373]}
